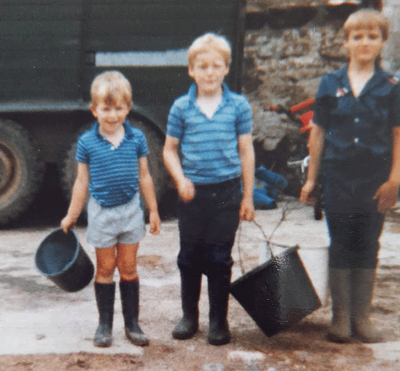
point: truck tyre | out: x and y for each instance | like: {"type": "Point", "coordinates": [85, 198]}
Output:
{"type": "Point", "coordinates": [21, 170]}
{"type": "Point", "coordinates": [155, 143]}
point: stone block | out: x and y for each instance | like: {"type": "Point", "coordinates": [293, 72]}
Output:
{"type": "Point", "coordinates": [258, 6]}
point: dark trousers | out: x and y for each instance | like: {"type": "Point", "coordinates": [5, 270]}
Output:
{"type": "Point", "coordinates": [207, 227]}
{"type": "Point", "coordinates": [354, 239]}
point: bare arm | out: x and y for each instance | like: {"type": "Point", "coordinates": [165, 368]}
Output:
{"type": "Point", "coordinates": [387, 194]}
{"type": "Point", "coordinates": [247, 158]}
{"type": "Point", "coordinates": [147, 191]}
{"type": "Point", "coordinates": [173, 164]}
{"type": "Point", "coordinates": [78, 199]}
{"type": "Point", "coordinates": [316, 144]}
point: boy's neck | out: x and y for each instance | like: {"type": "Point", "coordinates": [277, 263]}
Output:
{"type": "Point", "coordinates": [217, 94]}
{"type": "Point", "coordinates": [359, 74]}
{"type": "Point", "coordinates": [361, 68]}
{"type": "Point", "coordinates": [115, 138]}
{"type": "Point", "coordinates": [208, 103]}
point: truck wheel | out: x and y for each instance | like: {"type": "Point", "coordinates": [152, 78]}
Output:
{"type": "Point", "coordinates": [155, 143]}
{"type": "Point", "coordinates": [21, 170]}
{"type": "Point", "coordinates": [68, 167]}
{"type": "Point", "coordinates": [158, 172]}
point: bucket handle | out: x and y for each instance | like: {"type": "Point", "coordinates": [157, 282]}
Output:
{"type": "Point", "coordinates": [267, 241]}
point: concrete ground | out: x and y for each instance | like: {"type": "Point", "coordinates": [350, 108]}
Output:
{"type": "Point", "coordinates": [36, 317]}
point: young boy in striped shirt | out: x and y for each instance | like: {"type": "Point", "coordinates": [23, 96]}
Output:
{"type": "Point", "coordinates": [212, 127]}
{"type": "Point", "coordinates": [112, 164]}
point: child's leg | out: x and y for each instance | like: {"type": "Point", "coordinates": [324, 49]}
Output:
{"type": "Point", "coordinates": [369, 228]}
{"type": "Point", "coordinates": [223, 222]}
{"type": "Point", "coordinates": [105, 294]}
{"type": "Point", "coordinates": [339, 277]}
{"type": "Point", "coordinates": [129, 288]}
{"type": "Point", "coordinates": [105, 265]}
{"type": "Point", "coordinates": [126, 262]}
{"type": "Point", "coordinates": [191, 232]}
{"type": "Point", "coordinates": [352, 262]}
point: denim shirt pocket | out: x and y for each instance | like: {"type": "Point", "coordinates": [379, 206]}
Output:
{"type": "Point", "coordinates": [379, 103]}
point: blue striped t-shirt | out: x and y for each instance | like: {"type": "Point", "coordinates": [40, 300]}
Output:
{"type": "Point", "coordinates": [114, 172]}
{"type": "Point", "coordinates": [210, 146]}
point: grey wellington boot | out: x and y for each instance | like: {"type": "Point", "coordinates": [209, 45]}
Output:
{"type": "Point", "coordinates": [340, 289]}
{"type": "Point", "coordinates": [130, 309]}
{"type": "Point", "coordinates": [105, 295]}
{"type": "Point", "coordinates": [362, 292]}
{"type": "Point", "coordinates": [188, 325]}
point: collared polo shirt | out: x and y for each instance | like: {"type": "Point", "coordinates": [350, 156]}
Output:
{"type": "Point", "coordinates": [210, 145]}
{"type": "Point", "coordinates": [114, 172]}
{"type": "Point", "coordinates": [359, 125]}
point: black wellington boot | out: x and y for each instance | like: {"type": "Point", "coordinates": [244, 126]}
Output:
{"type": "Point", "coordinates": [218, 293]}
{"type": "Point", "coordinates": [130, 309]}
{"type": "Point", "coordinates": [188, 325]}
{"type": "Point", "coordinates": [105, 295]}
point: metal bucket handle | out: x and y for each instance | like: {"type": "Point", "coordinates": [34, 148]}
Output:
{"type": "Point", "coordinates": [267, 241]}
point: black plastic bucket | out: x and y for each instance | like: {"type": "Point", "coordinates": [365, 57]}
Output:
{"type": "Point", "coordinates": [61, 258]}
{"type": "Point", "coordinates": [278, 293]}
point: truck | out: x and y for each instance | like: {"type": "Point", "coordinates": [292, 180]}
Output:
{"type": "Point", "coordinates": [50, 51]}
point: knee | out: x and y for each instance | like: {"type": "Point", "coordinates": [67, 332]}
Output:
{"type": "Point", "coordinates": [127, 272]}
{"type": "Point", "coordinates": [190, 256]}
{"type": "Point", "coordinates": [105, 271]}
{"type": "Point", "coordinates": [219, 260]}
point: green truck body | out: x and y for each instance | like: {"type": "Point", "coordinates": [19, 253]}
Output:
{"type": "Point", "coordinates": [50, 51]}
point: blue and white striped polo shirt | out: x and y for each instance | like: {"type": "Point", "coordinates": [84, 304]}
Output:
{"type": "Point", "coordinates": [114, 172]}
{"type": "Point", "coordinates": [210, 146]}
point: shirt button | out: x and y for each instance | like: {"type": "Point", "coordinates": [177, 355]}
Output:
{"type": "Point", "coordinates": [356, 119]}
{"type": "Point", "coordinates": [356, 140]}
{"type": "Point", "coordinates": [112, 148]}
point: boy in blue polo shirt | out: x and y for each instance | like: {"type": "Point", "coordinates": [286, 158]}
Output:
{"type": "Point", "coordinates": [357, 134]}
{"type": "Point", "coordinates": [112, 164]}
{"type": "Point", "coordinates": [212, 126]}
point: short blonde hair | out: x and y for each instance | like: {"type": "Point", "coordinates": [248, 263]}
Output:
{"type": "Point", "coordinates": [367, 19]}
{"type": "Point", "coordinates": [111, 87]}
{"type": "Point", "coordinates": [207, 42]}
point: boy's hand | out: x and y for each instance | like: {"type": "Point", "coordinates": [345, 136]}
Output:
{"type": "Point", "coordinates": [246, 210]}
{"type": "Point", "coordinates": [186, 190]}
{"type": "Point", "coordinates": [387, 195]}
{"type": "Point", "coordinates": [67, 223]}
{"type": "Point", "coordinates": [155, 223]}
{"type": "Point", "coordinates": [306, 191]}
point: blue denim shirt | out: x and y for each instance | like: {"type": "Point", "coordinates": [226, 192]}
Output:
{"type": "Point", "coordinates": [359, 125]}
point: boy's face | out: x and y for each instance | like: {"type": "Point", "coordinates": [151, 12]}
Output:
{"type": "Point", "coordinates": [208, 71]}
{"type": "Point", "coordinates": [110, 116]}
{"type": "Point", "coordinates": [364, 45]}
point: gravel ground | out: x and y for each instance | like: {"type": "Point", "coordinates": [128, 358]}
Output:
{"type": "Point", "coordinates": [44, 328]}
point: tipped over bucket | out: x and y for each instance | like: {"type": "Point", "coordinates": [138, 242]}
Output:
{"type": "Point", "coordinates": [61, 258]}
{"type": "Point", "coordinates": [278, 293]}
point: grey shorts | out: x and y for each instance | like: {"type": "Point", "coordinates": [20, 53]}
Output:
{"type": "Point", "coordinates": [122, 224]}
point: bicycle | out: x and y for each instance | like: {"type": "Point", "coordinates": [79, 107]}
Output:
{"type": "Point", "coordinates": [301, 165]}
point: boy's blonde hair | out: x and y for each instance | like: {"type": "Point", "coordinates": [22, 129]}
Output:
{"type": "Point", "coordinates": [366, 19]}
{"type": "Point", "coordinates": [207, 42]}
{"type": "Point", "coordinates": [111, 87]}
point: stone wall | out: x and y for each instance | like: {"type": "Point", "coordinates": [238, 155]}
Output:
{"type": "Point", "coordinates": [289, 45]}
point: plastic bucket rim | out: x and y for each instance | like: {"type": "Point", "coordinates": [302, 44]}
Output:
{"type": "Point", "coordinates": [70, 263]}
